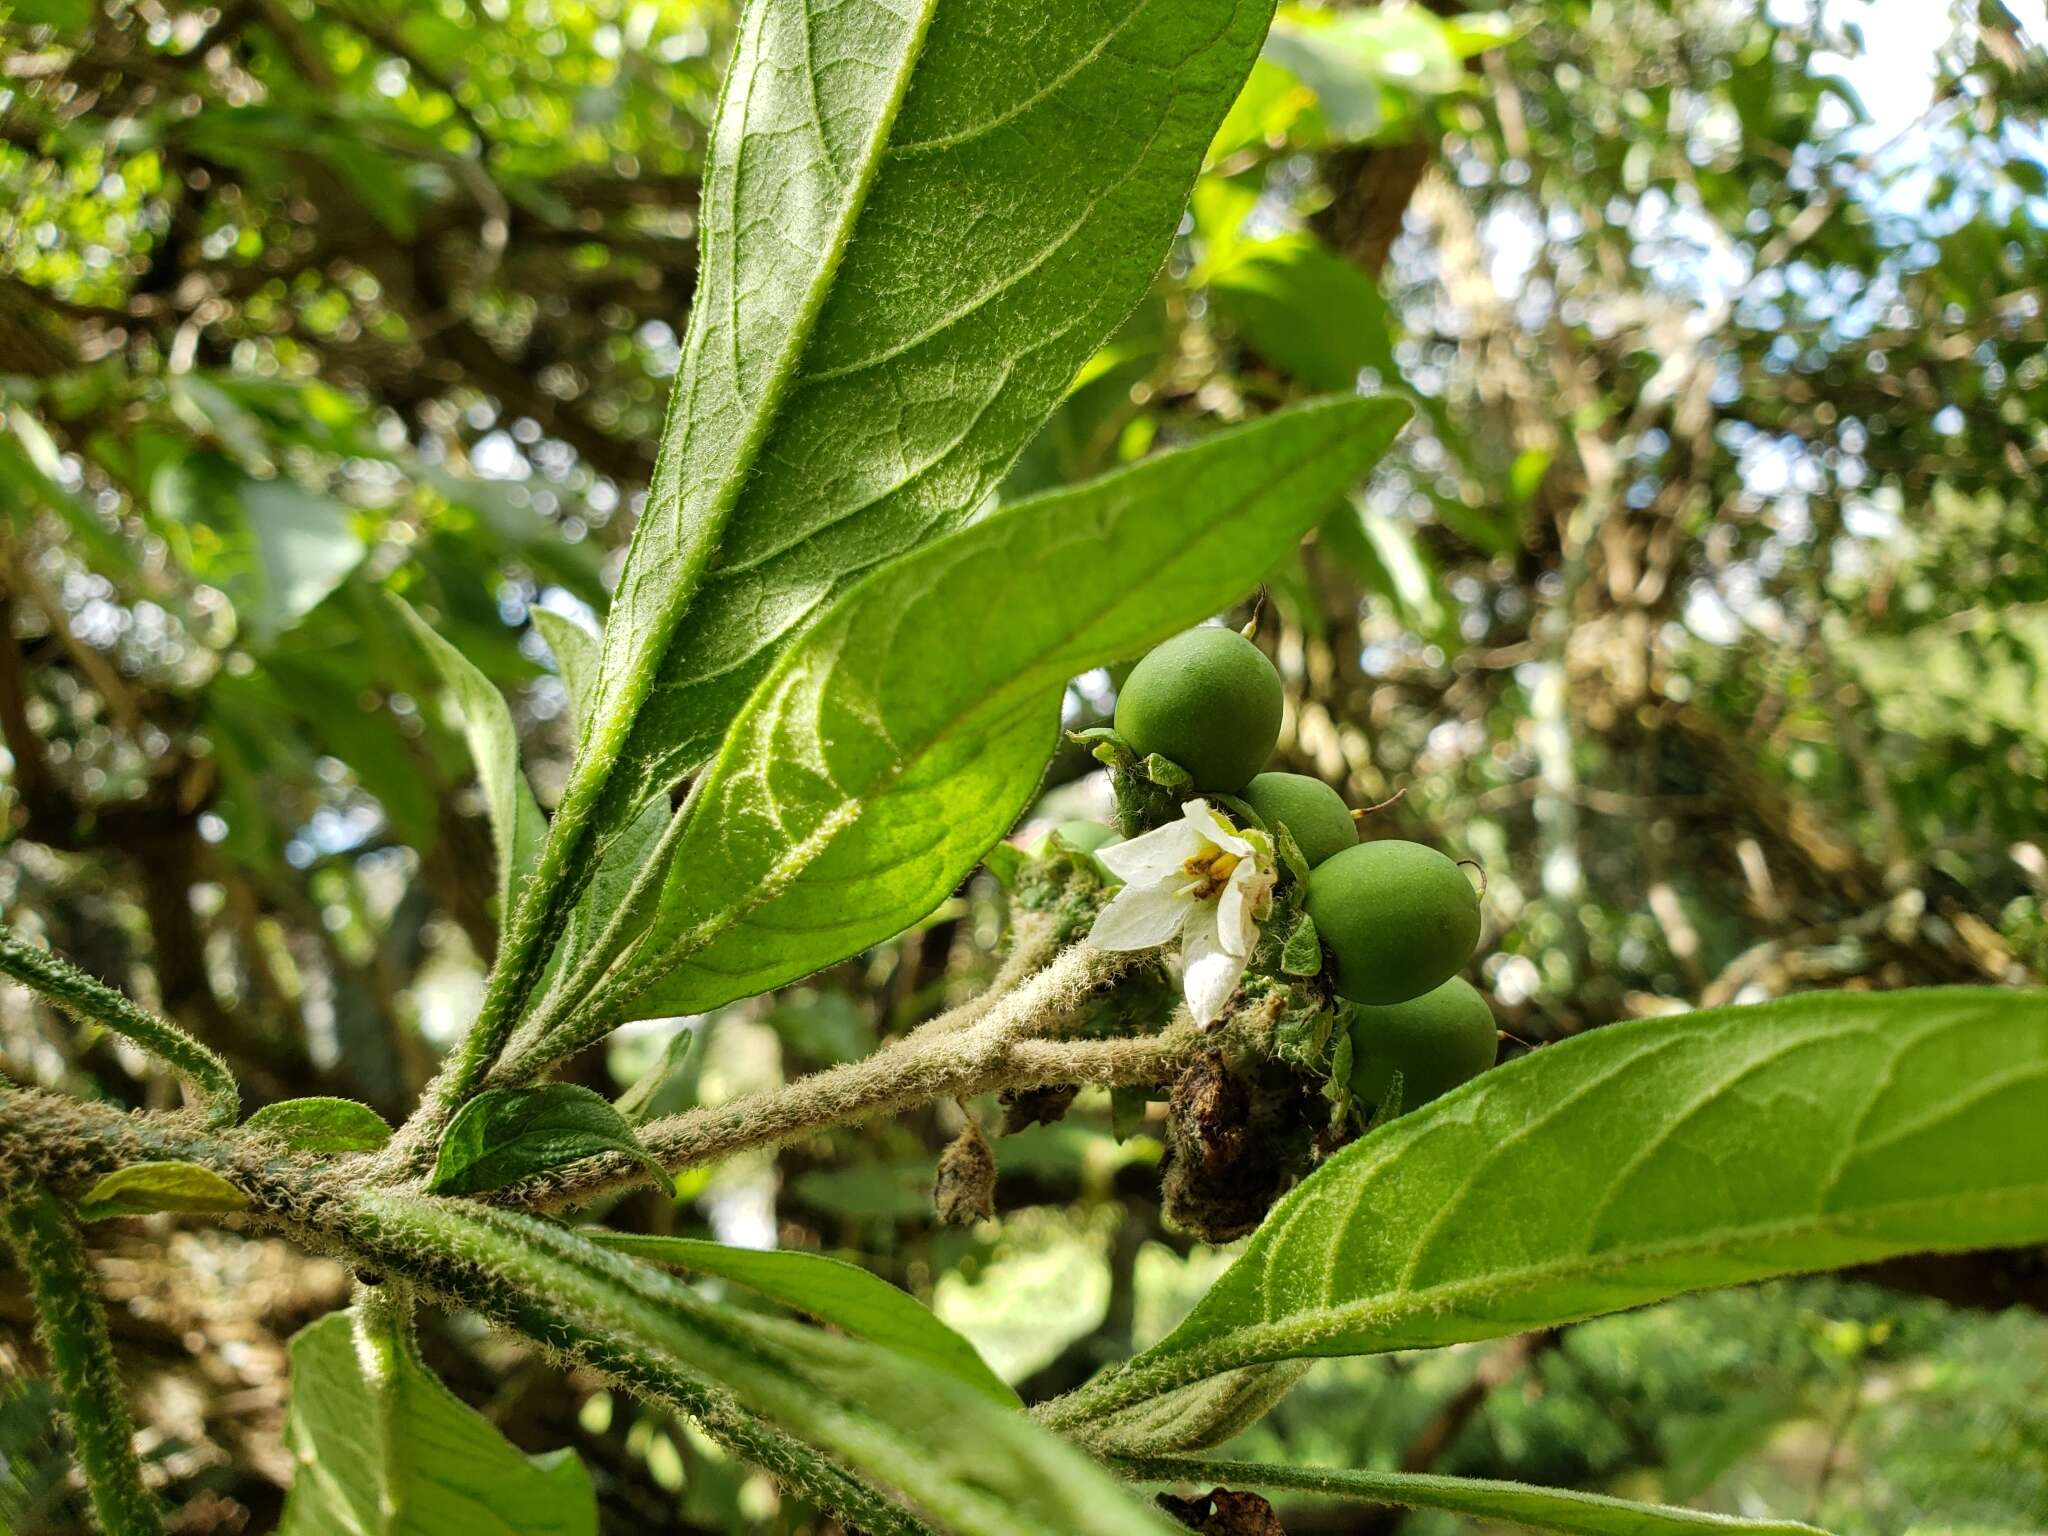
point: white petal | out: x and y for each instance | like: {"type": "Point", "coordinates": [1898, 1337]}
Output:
{"type": "Point", "coordinates": [1235, 927]}
{"type": "Point", "coordinates": [1140, 917]}
{"type": "Point", "coordinates": [1214, 829]}
{"type": "Point", "coordinates": [1152, 857]}
{"type": "Point", "coordinates": [1209, 973]}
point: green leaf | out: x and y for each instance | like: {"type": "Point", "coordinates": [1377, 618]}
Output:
{"type": "Point", "coordinates": [576, 657]}
{"type": "Point", "coordinates": [832, 1291]}
{"type": "Point", "coordinates": [918, 224]}
{"type": "Point", "coordinates": [814, 1405]}
{"type": "Point", "coordinates": [143, 1189]}
{"type": "Point", "coordinates": [507, 1134]}
{"type": "Point", "coordinates": [381, 1446]}
{"type": "Point", "coordinates": [517, 825]}
{"type": "Point", "coordinates": [1636, 1162]}
{"type": "Point", "coordinates": [1479, 1498]}
{"type": "Point", "coordinates": [891, 749]}
{"type": "Point", "coordinates": [1352, 61]}
{"type": "Point", "coordinates": [322, 1125]}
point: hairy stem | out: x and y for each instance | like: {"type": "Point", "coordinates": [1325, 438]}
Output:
{"type": "Point", "coordinates": [1012, 1045]}
{"type": "Point", "coordinates": [93, 1002]}
{"type": "Point", "coordinates": [73, 1331]}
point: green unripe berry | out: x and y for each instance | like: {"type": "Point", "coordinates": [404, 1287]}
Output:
{"type": "Point", "coordinates": [1207, 699]}
{"type": "Point", "coordinates": [1315, 813]}
{"type": "Point", "coordinates": [1399, 919]}
{"type": "Point", "coordinates": [1435, 1041]}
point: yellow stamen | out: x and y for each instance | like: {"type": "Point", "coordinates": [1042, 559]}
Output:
{"type": "Point", "coordinates": [1211, 870]}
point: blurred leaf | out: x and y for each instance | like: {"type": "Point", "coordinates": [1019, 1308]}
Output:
{"type": "Point", "coordinates": [830, 1290]}
{"type": "Point", "coordinates": [381, 1446]}
{"type": "Point", "coordinates": [576, 654]}
{"type": "Point", "coordinates": [504, 1135]}
{"type": "Point", "coordinates": [517, 825]}
{"type": "Point", "coordinates": [1312, 314]}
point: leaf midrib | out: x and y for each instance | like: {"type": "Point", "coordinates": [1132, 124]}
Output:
{"type": "Point", "coordinates": [1319, 1324]}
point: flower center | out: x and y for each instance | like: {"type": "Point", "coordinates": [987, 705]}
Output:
{"type": "Point", "coordinates": [1210, 869]}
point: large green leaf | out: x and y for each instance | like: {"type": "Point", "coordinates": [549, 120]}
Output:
{"type": "Point", "coordinates": [831, 1290]}
{"type": "Point", "coordinates": [1639, 1161]}
{"type": "Point", "coordinates": [918, 222]}
{"type": "Point", "coordinates": [822, 1410]}
{"type": "Point", "coordinates": [1480, 1498]}
{"type": "Point", "coordinates": [908, 729]}
{"type": "Point", "coordinates": [382, 1447]}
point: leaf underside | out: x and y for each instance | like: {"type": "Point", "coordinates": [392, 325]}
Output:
{"type": "Point", "coordinates": [1643, 1160]}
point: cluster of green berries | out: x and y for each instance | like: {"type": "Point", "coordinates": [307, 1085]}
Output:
{"type": "Point", "coordinates": [1397, 920]}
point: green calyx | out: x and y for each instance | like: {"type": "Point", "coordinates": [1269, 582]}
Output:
{"type": "Point", "coordinates": [1435, 1042]}
{"type": "Point", "coordinates": [1207, 699]}
{"type": "Point", "coordinates": [1315, 813]}
{"type": "Point", "coordinates": [1398, 919]}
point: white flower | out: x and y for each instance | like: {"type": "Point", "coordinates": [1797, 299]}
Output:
{"type": "Point", "coordinates": [1198, 877]}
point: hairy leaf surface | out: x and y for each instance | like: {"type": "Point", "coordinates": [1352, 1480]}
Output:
{"type": "Point", "coordinates": [832, 1291]}
{"type": "Point", "coordinates": [907, 730]}
{"type": "Point", "coordinates": [1479, 1498]}
{"type": "Point", "coordinates": [507, 1134]}
{"type": "Point", "coordinates": [322, 1125]}
{"type": "Point", "coordinates": [1639, 1161]}
{"type": "Point", "coordinates": [801, 1401]}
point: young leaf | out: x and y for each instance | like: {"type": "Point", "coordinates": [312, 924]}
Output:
{"type": "Point", "coordinates": [381, 1446]}
{"type": "Point", "coordinates": [924, 1441]}
{"type": "Point", "coordinates": [1636, 1162]}
{"type": "Point", "coordinates": [918, 224]}
{"type": "Point", "coordinates": [1479, 1498]}
{"type": "Point", "coordinates": [94, 1002]}
{"type": "Point", "coordinates": [507, 1134]}
{"type": "Point", "coordinates": [142, 1189]}
{"type": "Point", "coordinates": [322, 1125]}
{"type": "Point", "coordinates": [903, 735]}
{"type": "Point", "coordinates": [832, 1291]}
{"type": "Point", "coordinates": [517, 825]}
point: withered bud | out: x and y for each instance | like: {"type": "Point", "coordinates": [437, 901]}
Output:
{"type": "Point", "coordinates": [965, 1191]}
{"type": "Point", "coordinates": [1221, 1512]}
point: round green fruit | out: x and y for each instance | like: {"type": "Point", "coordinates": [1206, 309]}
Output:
{"type": "Point", "coordinates": [1398, 919]}
{"type": "Point", "coordinates": [1435, 1041]}
{"type": "Point", "coordinates": [1315, 813]}
{"type": "Point", "coordinates": [1207, 699]}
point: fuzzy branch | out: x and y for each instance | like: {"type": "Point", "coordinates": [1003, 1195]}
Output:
{"type": "Point", "coordinates": [1007, 1039]}
{"type": "Point", "coordinates": [94, 1002]}
{"type": "Point", "coordinates": [73, 1331]}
